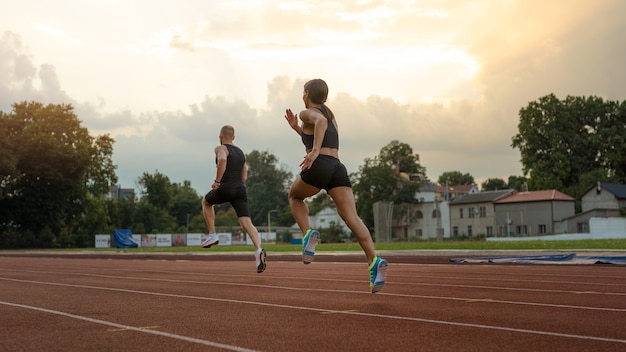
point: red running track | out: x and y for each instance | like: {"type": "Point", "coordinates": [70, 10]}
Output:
{"type": "Point", "coordinates": [215, 303]}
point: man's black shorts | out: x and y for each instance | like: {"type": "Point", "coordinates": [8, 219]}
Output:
{"type": "Point", "coordinates": [234, 193]}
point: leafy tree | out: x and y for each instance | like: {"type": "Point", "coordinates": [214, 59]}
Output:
{"type": "Point", "coordinates": [53, 170]}
{"type": "Point", "coordinates": [374, 182]}
{"type": "Point", "coordinates": [394, 175]}
{"type": "Point", "coordinates": [157, 189]}
{"type": "Point", "coordinates": [455, 178]}
{"type": "Point", "coordinates": [516, 182]}
{"type": "Point", "coordinates": [185, 203]}
{"type": "Point", "coordinates": [319, 202]}
{"type": "Point", "coordinates": [268, 188]}
{"type": "Point", "coordinates": [152, 219]}
{"type": "Point", "coordinates": [334, 233]}
{"type": "Point", "coordinates": [570, 144]}
{"type": "Point", "coordinates": [493, 184]}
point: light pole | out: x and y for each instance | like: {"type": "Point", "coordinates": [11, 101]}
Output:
{"type": "Point", "coordinates": [269, 220]}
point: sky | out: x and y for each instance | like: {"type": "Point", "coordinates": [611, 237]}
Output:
{"type": "Point", "coordinates": [446, 77]}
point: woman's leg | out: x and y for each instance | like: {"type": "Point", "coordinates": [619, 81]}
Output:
{"type": "Point", "coordinates": [299, 191]}
{"type": "Point", "coordinates": [346, 207]}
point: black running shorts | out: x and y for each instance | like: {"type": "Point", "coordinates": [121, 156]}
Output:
{"type": "Point", "coordinates": [327, 172]}
{"type": "Point", "coordinates": [234, 193]}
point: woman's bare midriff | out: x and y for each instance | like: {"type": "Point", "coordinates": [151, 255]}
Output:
{"type": "Point", "coordinates": [334, 152]}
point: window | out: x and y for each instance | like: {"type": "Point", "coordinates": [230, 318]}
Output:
{"type": "Point", "coordinates": [418, 214]}
{"type": "Point", "coordinates": [455, 231]}
{"type": "Point", "coordinates": [436, 214]}
{"type": "Point", "coordinates": [542, 228]}
{"type": "Point", "coordinates": [461, 213]}
{"type": "Point", "coordinates": [489, 230]}
{"type": "Point", "coordinates": [418, 232]}
{"type": "Point", "coordinates": [483, 212]}
{"type": "Point", "coordinates": [522, 229]}
{"type": "Point", "coordinates": [469, 231]}
{"type": "Point", "coordinates": [471, 212]}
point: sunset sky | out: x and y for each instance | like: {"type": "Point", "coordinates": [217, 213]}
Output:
{"type": "Point", "coordinates": [447, 77]}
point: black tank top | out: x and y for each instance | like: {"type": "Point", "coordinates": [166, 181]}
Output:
{"type": "Point", "coordinates": [331, 137]}
{"type": "Point", "coordinates": [234, 164]}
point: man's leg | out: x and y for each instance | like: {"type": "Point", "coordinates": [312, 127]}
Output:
{"type": "Point", "coordinates": [209, 217]}
{"type": "Point", "coordinates": [259, 253]}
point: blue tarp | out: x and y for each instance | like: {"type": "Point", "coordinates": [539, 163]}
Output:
{"type": "Point", "coordinates": [124, 239]}
{"type": "Point", "coordinates": [571, 258]}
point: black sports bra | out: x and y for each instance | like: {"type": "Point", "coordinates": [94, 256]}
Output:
{"type": "Point", "coordinates": [331, 137]}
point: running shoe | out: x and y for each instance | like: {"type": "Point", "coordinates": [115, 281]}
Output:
{"type": "Point", "coordinates": [377, 270]}
{"type": "Point", "coordinates": [309, 241]}
{"type": "Point", "coordinates": [211, 240]}
{"type": "Point", "coordinates": [260, 256]}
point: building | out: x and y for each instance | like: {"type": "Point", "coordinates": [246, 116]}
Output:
{"type": "Point", "coordinates": [603, 201]}
{"type": "Point", "coordinates": [454, 192]}
{"type": "Point", "coordinates": [474, 214]}
{"type": "Point", "coordinates": [118, 193]}
{"type": "Point", "coordinates": [532, 213]}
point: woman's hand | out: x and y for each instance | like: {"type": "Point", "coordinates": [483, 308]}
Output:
{"type": "Point", "coordinates": [309, 158]}
{"type": "Point", "coordinates": [292, 119]}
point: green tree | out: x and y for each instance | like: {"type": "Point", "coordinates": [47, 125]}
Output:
{"type": "Point", "coordinates": [319, 202]}
{"type": "Point", "coordinates": [185, 203]}
{"type": "Point", "coordinates": [493, 184]}
{"type": "Point", "coordinates": [570, 144]}
{"type": "Point", "coordinates": [374, 182]}
{"type": "Point", "coordinates": [156, 189]}
{"type": "Point", "coordinates": [54, 168]}
{"type": "Point", "coordinates": [516, 182]}
{"type": "Point", "coordinates": [455, 178]}
{"type": "Point", "coordinates": [268, 188]}
{"type": "Point", "coordinates": [394, 175]}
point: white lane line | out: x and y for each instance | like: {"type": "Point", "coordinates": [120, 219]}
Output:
{"type": "Point", "coordinates": [326, 311]}
{"type": "Point", "coordinates": [133, 328]}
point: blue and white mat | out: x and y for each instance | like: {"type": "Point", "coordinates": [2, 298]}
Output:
{"type": "Point", "coordinates": [571, 258]}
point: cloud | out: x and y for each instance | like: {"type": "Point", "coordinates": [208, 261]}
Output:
{"type": "Point", "coordinates": [446, 77]}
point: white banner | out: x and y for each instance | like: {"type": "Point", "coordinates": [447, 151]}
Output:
{"type": "Point", "coordinates": [194, 239]}
{"type": "Point", "coordinates": [164, 240]}
{"type": "Point", "coordinates": [103, 241]}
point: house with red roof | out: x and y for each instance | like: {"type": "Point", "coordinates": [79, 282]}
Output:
{"type": "Point", "coordinates": [532, 213]}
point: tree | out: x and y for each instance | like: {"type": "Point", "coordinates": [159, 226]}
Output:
{"type": "Point", "coordinates": [516, 182]}
{"type": "Point", "coordinates": [185, 203]}
{"type": "Point", "coordinates": [54, 168]}
{"type": "Point", "coordinates": [156, 189]}
{"type": "Point", "coordinates": [268, 187]}
{"type": "Point", "coordinates": [455, 178]}
{"type": "Point", "coordinates": [493, 184]}
{"type": "Point", "coordinates": [394, 175]}
{"type": "Point", "coordinates": [570, 144]}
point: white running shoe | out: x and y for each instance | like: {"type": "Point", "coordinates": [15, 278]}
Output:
{"type": "Point", "coordinates": [261, 264]}
{"type": "Point", "coordinates": [211, 240]}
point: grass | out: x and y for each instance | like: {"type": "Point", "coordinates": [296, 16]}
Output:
{"type": "Point", "coordinates": [604, 244]}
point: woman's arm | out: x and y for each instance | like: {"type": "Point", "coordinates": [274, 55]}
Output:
{"type": "Point", "coordinates": [292, 119]}
{"type": "Point", "coordinates": [319, 123]}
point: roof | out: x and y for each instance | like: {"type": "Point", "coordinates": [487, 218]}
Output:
{"type": "Point", "coordinates": [619, 190]}
{"type": "Point", "coordinates": [536, 196]}
{"type": "Point", "coordinates": [482, 197]}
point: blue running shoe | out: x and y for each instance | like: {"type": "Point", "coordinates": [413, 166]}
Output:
{"type": "Point", "coordinates": [309, 241]}
{"type": "Point", "coordinates": [377, 270]}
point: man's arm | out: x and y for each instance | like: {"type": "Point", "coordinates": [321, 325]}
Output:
{"type": "Point", "coordinates": [221, 153]}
